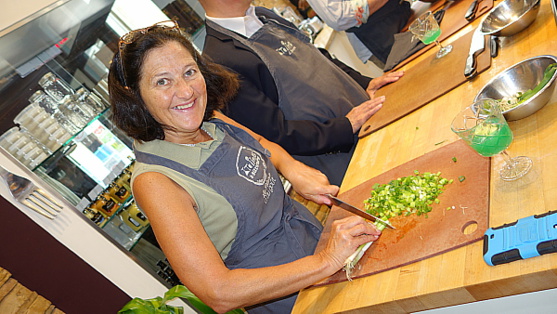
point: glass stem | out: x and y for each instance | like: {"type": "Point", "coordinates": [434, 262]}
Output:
{"type": "Point", "coordinates": [439, 45]}
{"type": "Point", "coordinates": [508, 160]}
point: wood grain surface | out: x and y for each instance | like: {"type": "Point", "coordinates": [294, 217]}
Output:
{"type": "Point", "coordinates": [458, 276]}
{"type": "Point", "coordinates": [424, 82]}
{"type": "Point", "coordinates": [419, 237]}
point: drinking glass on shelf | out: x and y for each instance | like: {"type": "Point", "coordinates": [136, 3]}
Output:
{"type": "Point", "coordinates": [55, 87]}
{"type": "Point", "coordinates": [426, 29]}
{"type": "Point", "coordinates": [483, 127]}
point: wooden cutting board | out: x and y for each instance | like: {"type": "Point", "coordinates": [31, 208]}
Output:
{"type": "Point", "coordinates": [424, 82]}
{"type": "Point", "coordinates": [452, 21]}
{"type": "Point", "coordinates": [420, 237]}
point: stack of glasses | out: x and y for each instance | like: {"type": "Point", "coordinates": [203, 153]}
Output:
{"type": "Point", "coordinates": [53, 116]}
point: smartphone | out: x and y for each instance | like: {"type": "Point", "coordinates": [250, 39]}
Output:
{"type": "Point", "coordinates": [527, 237]}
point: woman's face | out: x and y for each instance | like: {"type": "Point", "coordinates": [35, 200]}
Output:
{"type": "Point", "coordinates": [173, 90]}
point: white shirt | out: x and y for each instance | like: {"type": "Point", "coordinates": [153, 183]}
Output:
{"type": "Point", "coordinates": [340, 15]}
{"type": "Point", "coordinates": [246, 25]}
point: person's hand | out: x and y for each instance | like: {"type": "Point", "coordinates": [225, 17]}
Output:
{"type": "Point", "coordinates": [311, 183]}
{"type": "Point", "coordinates": [359, 14]}
{"type": "Point", "coordinates": [381, 81]}
{"type": "Point", "coordinates": [346, 236]}
{"type": "Point", "coordinates": [303, 4]}
{"type": "Point", "coordinates": [360, 114]}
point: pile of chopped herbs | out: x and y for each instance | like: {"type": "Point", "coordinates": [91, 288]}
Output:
{"type": "Point", "coordinates": [405, 196]}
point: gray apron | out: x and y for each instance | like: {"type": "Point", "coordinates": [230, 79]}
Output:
{"type": "Point", "coordinates": [272, 229]}
{"type": "Point", "coordinates": [310, 87]}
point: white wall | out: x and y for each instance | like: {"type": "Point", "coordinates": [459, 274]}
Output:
{"type": "Point", "coordinates": [16, 11]}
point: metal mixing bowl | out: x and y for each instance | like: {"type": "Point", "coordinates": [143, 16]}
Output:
{"type": "Point", "coordinates": [521, 77]}
{"type": "Point", "coordinates": [510, 17]}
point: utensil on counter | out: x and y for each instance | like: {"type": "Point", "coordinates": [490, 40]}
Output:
{"type": "Point", "coordinates": [472, 9]}
{"type": "Point", "coordinates": [493, 45]}
{"type": "Point", "coordinates": [28, 194]}
{"type": "Point", "coordinates": [524, 75]}
{"type": "Point", "coordinates": [355, 210]}
{"type": "Point", "coordinates": [476, 47]}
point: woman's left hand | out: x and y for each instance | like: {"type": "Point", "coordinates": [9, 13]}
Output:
{"type": "Point", "coordinates": [381, 81]}
{"type": "Point", "coordinates": [311, 184]}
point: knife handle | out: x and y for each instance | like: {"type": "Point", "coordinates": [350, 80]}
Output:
{"type": "Point", "coordinates": [470, 69]}
{"type": "Point", "coordinates": [493, 46]}
{"type": "Point", "coordinates": [470, 13]}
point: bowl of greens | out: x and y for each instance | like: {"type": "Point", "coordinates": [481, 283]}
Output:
{"type": "Point", "coordinates": [523, 88]}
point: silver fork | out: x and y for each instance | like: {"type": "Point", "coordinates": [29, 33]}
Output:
{"type": "Point", "coordinates": [30, 195]}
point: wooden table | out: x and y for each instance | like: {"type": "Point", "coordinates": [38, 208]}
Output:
{"type": "Point", "coordinates": [458, 276]}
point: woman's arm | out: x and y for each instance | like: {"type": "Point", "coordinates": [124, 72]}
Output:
{"type": "Point", "coordinates": [171, 211]}
{"type": "Point", "coordinates": [311, 183]}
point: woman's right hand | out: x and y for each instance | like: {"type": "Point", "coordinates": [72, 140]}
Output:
{"type": "Point", "coordinates": [346, 236]}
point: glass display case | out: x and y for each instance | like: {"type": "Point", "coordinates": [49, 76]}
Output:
{"type": "Point", "coordinates": [55, 120]}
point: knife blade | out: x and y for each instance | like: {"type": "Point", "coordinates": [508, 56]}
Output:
{"type": "Point", "coordinates": [355, 210]}
{"type": "Point", "coordinates": [476, 47]}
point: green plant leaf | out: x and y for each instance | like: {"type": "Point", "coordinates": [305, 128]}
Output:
{"type": "Point", "coordinates": [180, 291]}
{"type": "Point", "coordinates": [138, 305]}
{"type": "Point", "coordinates": [158, 305]}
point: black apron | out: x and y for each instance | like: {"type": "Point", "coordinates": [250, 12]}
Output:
{"type": "Point", "coordinates": [377, 34]}
{"type": "Point", "coordinates": [310, 86]}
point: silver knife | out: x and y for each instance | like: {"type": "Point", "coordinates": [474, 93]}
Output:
{"type": "Point", "coordinates": [476, 47]}
{"type": "Point", "coordinates": [471, 12]}
{"type": "Point", "coordinates": [355, 210]}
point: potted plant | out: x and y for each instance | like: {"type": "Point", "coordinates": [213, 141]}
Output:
{"type": "Point", "coordinates": [158, 305]}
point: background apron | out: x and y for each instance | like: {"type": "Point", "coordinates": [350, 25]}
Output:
{"type": "Point", "coordinates": [310, 87]}
{"type": "Point", "coordinates": [377, 34]}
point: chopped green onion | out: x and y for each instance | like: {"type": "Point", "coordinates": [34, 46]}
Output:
{"type": "Point", "coordinates": [439, 143]}
{"type": "Point", "coordinates": [454, 159]}
{"type": "Point", "coordinates": [404, 196]}
{"type": "Point", "coordinates": [408, 195]}
{"type": "Point", "coordinates": [461, 178]}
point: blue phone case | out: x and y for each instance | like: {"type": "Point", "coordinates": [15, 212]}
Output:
{"type": "Point", "coordinates": [527, 237]}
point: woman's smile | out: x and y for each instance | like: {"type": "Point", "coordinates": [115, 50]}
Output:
{"type": "Point", "coordinates": [174, 92]}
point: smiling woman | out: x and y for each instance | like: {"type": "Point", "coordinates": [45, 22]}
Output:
{"type": "Point", "coordinates": [211, 188]}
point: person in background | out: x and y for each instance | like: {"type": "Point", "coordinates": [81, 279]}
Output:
{"type": "Point", "coordinates": [210, 187]}
{"type": "Point", "coordinates": [291, 93]}
{"type": "Point", "coordinates": [370, 25]}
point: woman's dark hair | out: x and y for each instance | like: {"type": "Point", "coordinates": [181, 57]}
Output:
{"type": "Point", "coordinates": [130, 113]}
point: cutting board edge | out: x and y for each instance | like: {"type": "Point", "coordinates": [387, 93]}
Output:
{"type": "Point", "coordinates": [324, 282]}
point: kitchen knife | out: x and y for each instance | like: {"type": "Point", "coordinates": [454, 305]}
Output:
{"type": "Point", "coordinates": [355, 210]}
{"type": "Point", "coordinates": [471, 12]}
{"type": "Point", "coordinates": [476, 47]}
{"type": "Point", "coordinates": [493, 45]}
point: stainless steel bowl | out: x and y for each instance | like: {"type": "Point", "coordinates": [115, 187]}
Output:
{"type": "Point", "coordinates": [510, 17]}
{"type": "Point", "coordinates": [521, 77]}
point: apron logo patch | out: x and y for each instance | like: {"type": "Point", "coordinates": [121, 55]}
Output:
{"type": "Point", "coordinates": [251, 166]}
{"type": "Point", "coordinates": [249, 163]}
{"type": "Point", "coordinates": [287, 48]}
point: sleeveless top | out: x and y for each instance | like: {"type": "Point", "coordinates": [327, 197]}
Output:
{"type": "Point", "coordinates": [272, 229]}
